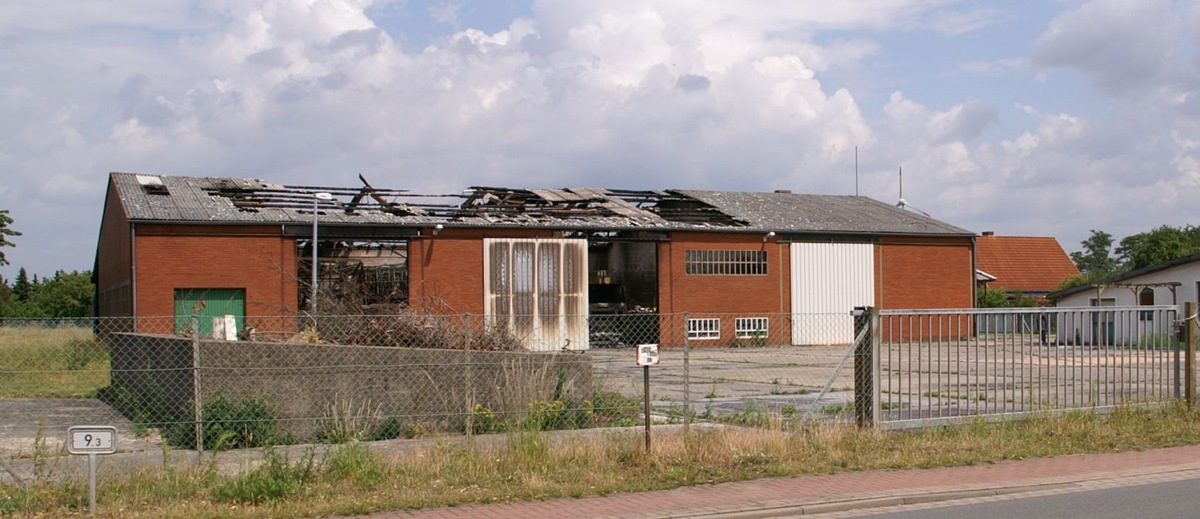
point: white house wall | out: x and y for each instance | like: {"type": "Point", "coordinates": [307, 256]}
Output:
{"type": "Point", "coordinates": [828, 281]}
{"type": "Point", "coordinates": [1084, 330]}
{"type": "Point", "coordinates": [1187, 275]}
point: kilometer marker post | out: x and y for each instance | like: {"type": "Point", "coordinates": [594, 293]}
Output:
{"type": "Point", "coordinates": [92, 440]}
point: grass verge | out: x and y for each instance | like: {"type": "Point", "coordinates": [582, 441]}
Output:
{"type": "Point", "coordinates": [62, 362]}
{"type": "Point", "coordinates": [357, 478]}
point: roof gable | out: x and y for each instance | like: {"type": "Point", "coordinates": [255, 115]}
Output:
{"type": "Point", "coordinates": [1024, 263]}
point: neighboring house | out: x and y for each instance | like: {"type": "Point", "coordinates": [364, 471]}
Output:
{"type": "Point", "coordinates": [526, 258]}
{"type": "Point", "coordinates": [1029, 265]}
{"type": "Point", "coordinates": [1171, 283]}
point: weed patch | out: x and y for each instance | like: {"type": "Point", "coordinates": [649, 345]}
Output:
{"type": "Point", "coordinates": [531, 465]}
{"type": "Point", "coordinates": [276, 479]}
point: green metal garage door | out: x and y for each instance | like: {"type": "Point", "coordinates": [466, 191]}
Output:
{"type": "Point", "coordinates": [208, 304]}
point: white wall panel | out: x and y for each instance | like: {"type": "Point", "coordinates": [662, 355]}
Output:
{"type": "Point", "coordinates": [537, 289]}
{"type": "Point", "coordinates": [828, 281]}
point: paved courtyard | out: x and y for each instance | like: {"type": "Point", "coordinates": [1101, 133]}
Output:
{"type": "Point", "coordinates": [728, 380]}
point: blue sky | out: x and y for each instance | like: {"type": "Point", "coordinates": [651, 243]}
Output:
{"type": "Point", "coordinates": [1036, 118]}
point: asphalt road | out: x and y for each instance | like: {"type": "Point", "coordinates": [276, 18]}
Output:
{"type": "Point", "coordinates": [1171, 500]}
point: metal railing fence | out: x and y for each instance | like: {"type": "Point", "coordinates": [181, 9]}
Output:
{"type": "Point", "coordinates": [228, 382]}
{"type": "Point", "coordinates": [949, 365]}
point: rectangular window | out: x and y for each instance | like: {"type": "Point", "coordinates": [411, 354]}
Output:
{"type": "Point", "coordinates": [704, 329]}
{"type": "Point", "coordinates": [750, 327]}
{"type": "Point", "coordinates": [1146, 298]}
{"type": "Point", "coordinates": [718, 262]}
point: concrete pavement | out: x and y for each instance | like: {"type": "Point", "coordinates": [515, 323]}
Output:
{"type": "Point", "coordinates": [835, 494]}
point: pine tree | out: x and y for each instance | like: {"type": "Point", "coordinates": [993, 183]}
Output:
{"type": "Point", "coordinates": [22, 287]}
{"type": "Point", "coordinates": [5, 292]}
{"type": "Point", "coordinates": [5, 232]}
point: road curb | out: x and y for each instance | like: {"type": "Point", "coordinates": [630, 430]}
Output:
{"type": "Point", "coordinates": [843, 505]}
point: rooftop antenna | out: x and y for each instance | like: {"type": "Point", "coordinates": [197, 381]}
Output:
{"type": "Point", "coordinates": [856, 171]}
{"type": "Point", "coordinates": [903, 204]}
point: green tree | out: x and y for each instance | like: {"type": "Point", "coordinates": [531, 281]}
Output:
{"type": "Point", "coordinates": [5, 234]}
{"type": "Point", "coordinates": [990, 298]}
{"type": "Point", "coordinates": [65, 295]}
{"type": "Point", "coordinates": [1095, 261]}
{"type": "Point", "coordinates": [1160, 245]}
{"type": "Point", "coordinates": [5, 292]}
{"type": "Point", "coordinates": [21, 287]}
{"type": "Point", "coordinates": [22, 309]}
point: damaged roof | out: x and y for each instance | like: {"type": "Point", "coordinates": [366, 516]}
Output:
{"type": "Point", "coordinates": [166, 199]}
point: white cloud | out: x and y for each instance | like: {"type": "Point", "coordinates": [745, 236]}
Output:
{"type": "Point", "coordinates": [445, 12]}
{"type": "Point", "coordinates": [636, 94]}
{"type": "Point", "coordinates": [1124, 47]}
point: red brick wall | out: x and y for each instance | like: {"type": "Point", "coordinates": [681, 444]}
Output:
{"type": "Point", "coordinates": [735, 296]}
{"type": "Point", "coordinates": [914, 273]}
{"type": "Point", "coordinates": [113, 275]}
{"type": "Point", "coordinates": [257, 259]}
{"type": "Point", "coordinates": [446, 275]}
{"type": "Point", "coordinates": [925, 274]}
{"type": "Point", "coordinates": [446, 271]}
{"type": "Point", "coordinates": [679, 292]}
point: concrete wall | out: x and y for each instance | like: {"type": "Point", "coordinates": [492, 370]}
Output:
{"type": "Point", "coordinates": [304, 383]}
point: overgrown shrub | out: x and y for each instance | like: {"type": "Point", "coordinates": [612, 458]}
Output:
{"type": "Point", "coordinates": [228, 424]}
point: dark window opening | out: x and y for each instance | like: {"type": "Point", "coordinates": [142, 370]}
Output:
{"type": "Point", "coordinates": [622, 290]}
{"type": "Point", "coordinates": [354, 275]}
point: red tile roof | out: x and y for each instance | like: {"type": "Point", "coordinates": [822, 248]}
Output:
{"type": "Point", "coordinates": [1023, 263]}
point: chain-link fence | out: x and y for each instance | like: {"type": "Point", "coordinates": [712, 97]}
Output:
{"type": "Point", "coordinates": [229, 382]}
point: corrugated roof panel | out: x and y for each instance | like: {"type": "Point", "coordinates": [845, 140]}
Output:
{"type": "Point", "coordinates": [211, 199]}
{"type": "Point", "coordinates": [788, 212]}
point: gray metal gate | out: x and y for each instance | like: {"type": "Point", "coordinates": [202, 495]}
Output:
{"type": "Point", "coordinates": [936, 366]}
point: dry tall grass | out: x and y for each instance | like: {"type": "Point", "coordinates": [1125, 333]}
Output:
{"type": "Point", "coordinates": [358, 478]}
{"type": "Point", "coordinates": [58, 362]}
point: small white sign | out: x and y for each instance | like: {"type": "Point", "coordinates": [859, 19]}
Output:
{"type": "Point", "coordinates": [92, 439]}
{"type": "Point", "coordinates": [647, 354]}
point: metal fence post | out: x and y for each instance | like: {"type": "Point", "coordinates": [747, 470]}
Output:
{"type": "Point", "coordinates": [876, 340]}
{"type": "Point", "coordinates": [687, 393]}
{"type": "Point", "coordinates": [1189, 352]}
{"type": "Point", "coordinates": [646, 390]}
{"type": "Point", "coordinates": [864, 368]}
{"type": "Point", "coordinates": [196, 404]}
{"type": "Point", "coordinates": [469, 377]}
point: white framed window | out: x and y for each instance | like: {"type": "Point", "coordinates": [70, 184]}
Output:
{"type": "Point", "coordinates": [704, 329]}
{"type": "Point", "coordinates": [720, 262]}
{"type": "Point", "coordinates": [750, 327]}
